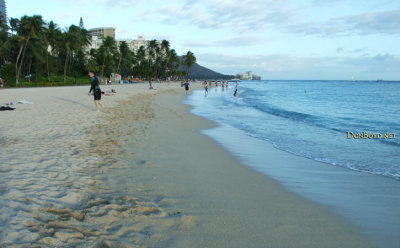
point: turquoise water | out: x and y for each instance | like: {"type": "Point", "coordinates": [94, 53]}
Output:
{"type": "Point", "coordinates": [359, 179]}
{"type": "Point", "coordinates": [319, 120]}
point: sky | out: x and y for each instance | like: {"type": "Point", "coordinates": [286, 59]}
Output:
{"type": "Point", "coordinates": [276, 39]}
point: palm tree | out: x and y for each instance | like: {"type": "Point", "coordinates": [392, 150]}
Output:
{"type": "Point", "coordinates": [75, 40]}
{"type": "Point", "coordinates": [107, 53]}
{"type": "Point", "coordinates": [152, 54]}
{"type": "Point", "coordinates": [51, 36]}
{"type": "Point", "coordinates": [188, 61]}
{"type": "Point", "coordinates": [140, 62]}
{"type": "Point", "coordinates": [92, 65]}
{"type": "Point", "coordinates": [173, 62]}
{"type": "Point", "coordinates": [125, 58]}
{"type": "Point", "coordinates": [27, 28]}
{"type": "Point", "coordinates": [13, 25]}
{"type": "Point", "coordinates": [3, 36]}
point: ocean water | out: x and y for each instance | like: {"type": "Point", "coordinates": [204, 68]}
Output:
{"type": "Point", "coordinates": [359, 178]}
{"type": "Point", "coordinates": [319, 120]}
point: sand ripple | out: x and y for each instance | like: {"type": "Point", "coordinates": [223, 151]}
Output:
{"type": "Point", "coordinates": [55, 189]}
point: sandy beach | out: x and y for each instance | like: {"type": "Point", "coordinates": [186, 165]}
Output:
{"type": "Point", "coordinates": [140, 174]}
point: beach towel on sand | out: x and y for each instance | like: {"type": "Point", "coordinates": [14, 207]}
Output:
{"type": "Point", "coordinates": [4, 108]}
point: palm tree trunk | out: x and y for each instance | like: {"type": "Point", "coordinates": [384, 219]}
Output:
{"type": "Point", "coordinates": [65, 67]}
{"type": "Point", "coordinates": [119, 62]}
{"type": "Point", "coordinates": [16, 65]}
{"type": "Point", "coordinates": [22, 60]}
{"type": "Point", "coordinates": [29, 68]}
{"type": "Point", "coordinates": [47, 65]}
{"type": "Point", "coordinates": [102, 66]}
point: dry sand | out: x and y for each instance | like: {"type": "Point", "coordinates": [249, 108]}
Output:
{"type": "Point", "coordinates": [139, 175]}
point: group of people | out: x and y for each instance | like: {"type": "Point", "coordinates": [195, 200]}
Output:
{"type": "Point", "coordinates": [96, 91]}
{"type": "Point", "coordinates": [223, 85]}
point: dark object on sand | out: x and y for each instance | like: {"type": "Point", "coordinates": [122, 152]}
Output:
{"type": "Point", "coordinates": [4, 108]}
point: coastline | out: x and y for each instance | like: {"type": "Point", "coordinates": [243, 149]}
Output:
{"type": "Point", "coordinates": [232, 205]}
{"type": "Point", "coordinates": [147, 165]}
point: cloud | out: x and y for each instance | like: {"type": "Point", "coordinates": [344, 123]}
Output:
{"type": "Point", "coordinates": [360, 50]}
{"type": "Point", "coordinates": [111, 4]}
{"type": "Point", "coordinates": [378, 22]}
{"type": "Point", "coordinates": [343, 50]}
{"type": "Point", "coordinates": [383, 57]}
{"type": "Point", "coordinates": [250, 16]}
{"type": "Point", "coordinates": [245, 15]}
{"type": "Point", "coordinates": [238, 41]}
{"type": "Point", "coordinates": [283, 66]}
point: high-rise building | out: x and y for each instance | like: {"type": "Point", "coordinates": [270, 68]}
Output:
{"type": "Point", "coordinates": [102, 32]}
{"type": "Point", "coordinates": [248, 76]}
{"type": "Point", "coordinates": [81, 24]}
{"type": "Point", "coordinates": [134, 45]}
{"type": "Point", "coordinates": [3, 10]}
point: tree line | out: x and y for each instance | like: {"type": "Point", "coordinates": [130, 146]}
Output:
{"type": "Point", "coordinates": [31, 48]}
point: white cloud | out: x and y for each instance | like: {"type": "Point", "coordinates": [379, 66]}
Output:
{"type": "Point", "coordinates": [235, 15]}
{"type": "Point", "coordinates": [237, 41]}
{"type": "Point", "coordinates": [283, 66]}
{"type": "Point", "coordinates": [374, 22]}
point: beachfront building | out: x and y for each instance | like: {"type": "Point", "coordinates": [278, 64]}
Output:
{"type": "Point", "coordinates": [3, 10]}
{"type": "Point", "coordinates": [99, 34]}
{"type": "Point", "coordinates": [102, 32]}
{"type": "Point", "coordinates": [248, 76]}
{"type": "Point", "coordinates": [134, 45]}
{"type": "Point", "coordinates": [95, 43]}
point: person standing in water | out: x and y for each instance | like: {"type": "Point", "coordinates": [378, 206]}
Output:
{"type": "Point", "coordinates": [187, 87]}
{"type": "Point", "coordinates": [94, 86]}
{"type": "Point", "coordinates": [206, 89]}
{"type": "Point", "coordinates": [236, 90]}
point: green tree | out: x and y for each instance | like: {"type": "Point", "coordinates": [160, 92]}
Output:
{"type": "Point", "coordinates": [173, 63]}
{"type": "Point", "coordinates": [125, 60]}
{"type": "Point", "coordinates": [107, 54]}
{"type": "Point", "coordinates": [75, 40]}
{"type": "Point", "coordinates": [27, 28]}
{"type": "Point", "coordinates": [92, 65]}
{"type": "Point", "coordinates": [13, 25]}
{"type": "Point", "coordinates": [140, 63]}
{"type": "Point", "coordinates": [188, 61]}
{"type": "Point", "coordinates": [3, 37]}
{"type": "Point", "coordinates": [31, 46]}
{"type": "Point", "coordinates": [51, 38]}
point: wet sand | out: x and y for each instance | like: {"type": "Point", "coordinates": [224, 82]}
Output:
{"type": "Point", "coordinates": [140, 175]}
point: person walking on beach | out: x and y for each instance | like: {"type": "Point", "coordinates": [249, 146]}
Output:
{"type": "Point", "coordinates": [1, 83]}
{"type": "Point", "coordinates": [206, 90]}
{"type": "Point", "coordinates": [94, 82]}
{"type": "Point", "coordinates": [187, 87]}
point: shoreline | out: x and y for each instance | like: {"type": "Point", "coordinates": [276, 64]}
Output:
{"type": "Point", "coordinates": [231, 202]}
{"type": "Point", "coordinates": [155, 181]}
{"type": "Point", "coordinates": [367, 201]}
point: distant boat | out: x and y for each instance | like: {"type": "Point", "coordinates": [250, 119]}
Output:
{"type": "Point", "coordinates": [352, 79]}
